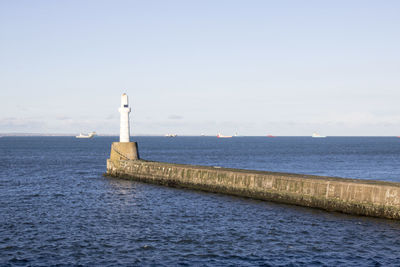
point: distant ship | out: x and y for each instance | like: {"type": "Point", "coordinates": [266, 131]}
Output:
{"type": "Point", "coordinates": [224, 136]}
{"type": "Point", "coordinates": [269, 135]}
{"type": "Point", "coordinates": [315, 135]}
{"type": "Point", "coordinates": [171, 135]}
{"type": "Point", "coordinates": [90, 135]}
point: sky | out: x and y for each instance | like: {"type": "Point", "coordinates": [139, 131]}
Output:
{"type": "Point", "coordinates": [253, 67]}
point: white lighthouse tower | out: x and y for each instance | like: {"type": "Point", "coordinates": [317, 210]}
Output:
{"type": "Point", "coordinates": [124, 110]}
{"type": "Point", "coordinates": [124, 149]}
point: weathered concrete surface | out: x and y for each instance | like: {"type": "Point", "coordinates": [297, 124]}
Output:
{"type": "Point", "coordinates": [124, 151]}
{"type": "Point", "coordinates": [361, 197]}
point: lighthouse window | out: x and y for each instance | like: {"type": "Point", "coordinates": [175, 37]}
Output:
{"type": "Point", "coordinates": [125, 106]}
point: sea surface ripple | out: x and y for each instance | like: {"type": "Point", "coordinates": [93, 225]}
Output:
{"type": "Point", "coordinates": [56, 208]}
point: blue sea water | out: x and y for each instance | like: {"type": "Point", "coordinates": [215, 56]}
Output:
{"type": "Point", "coordinates": [56, 208]}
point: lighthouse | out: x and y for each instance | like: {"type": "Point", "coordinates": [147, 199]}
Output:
{"type": "Point", "coordinates": [124, 111]}
{"type": "Point", "coordinates": [124, 149]}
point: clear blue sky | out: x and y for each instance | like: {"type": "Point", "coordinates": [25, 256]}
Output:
{"type": "Point", "coordinates": [191, 67]}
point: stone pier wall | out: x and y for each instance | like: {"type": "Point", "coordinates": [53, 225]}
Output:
{"type": "Point", "coordinates": [353, 196]}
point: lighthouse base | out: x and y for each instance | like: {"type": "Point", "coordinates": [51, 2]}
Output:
{"type": "Point", "coordinates": [124, 151]}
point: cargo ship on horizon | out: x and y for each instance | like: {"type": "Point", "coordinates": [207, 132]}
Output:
{"type": "Point", "coordinates": [219, 135]}
{"type": "Point", "coordinates": [90, 135]}
{"type": "Point", "coordinates": [316, 135]}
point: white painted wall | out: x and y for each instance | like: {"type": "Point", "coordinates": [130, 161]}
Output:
{"type": "Point", "coordinates": [124, 110]}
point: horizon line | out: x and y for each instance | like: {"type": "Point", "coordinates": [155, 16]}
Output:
{"type": "Point", "coordinates": [181, 135]}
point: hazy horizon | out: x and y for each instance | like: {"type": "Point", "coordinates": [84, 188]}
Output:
{"type": "Point", "coordinates": [22, 134]}
{"type": "Point", "coordinates": [286, 68]}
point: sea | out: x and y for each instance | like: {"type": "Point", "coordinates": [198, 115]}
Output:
{"type": "Point", "coordinates": [58, 209]}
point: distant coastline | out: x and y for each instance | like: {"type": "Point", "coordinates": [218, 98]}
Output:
{"type": "Point", "coordinates": [46, 134]}
{"type": "Point", "coordinates": [181, 135]}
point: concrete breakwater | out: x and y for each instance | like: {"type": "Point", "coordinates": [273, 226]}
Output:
{"type": "Point", "coordinates": [352, 196]}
